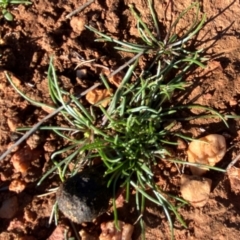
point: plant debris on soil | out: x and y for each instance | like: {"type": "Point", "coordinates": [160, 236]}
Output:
{"type": "Point", "coordinates": [41, 30]}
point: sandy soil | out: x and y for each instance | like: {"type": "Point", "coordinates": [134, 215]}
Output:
{"type": "Point", "coordinates": [41, 30]}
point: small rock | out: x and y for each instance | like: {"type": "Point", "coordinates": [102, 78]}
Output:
{"type": "Point", "coordinates": [50, 146]}
{"type": "Point", "coordinates": [109, 231]}
{"type": "Point", "coordinates": [33, 141]}
{"type": "Point", "coordinates": [195, 189]}
{"type": "Point", "coordinates": [115, 79]}
{"type": "Point", "coordinates": [207, 150]}
{"type": "Point", "coordinates": [59, 233]}
{"type": "Point", "coordinates": [233, 102]}
{"type": "Point", "coordinates": [9, 208]}
{"type": "Point", "coordinates": [182, 145]}
{"type": "Point", "coordinates": [234, 177]}
{"type": "Point", "coordinates": [84, 196]}
{"type": "Point", "coordinates": [22, 159]}
{"type": "Point", "coordinates": [120, 200]}
{"type": "Point", "coordinates": [78, 24]}
{"type": "Point", "coordinates": [17, 186]}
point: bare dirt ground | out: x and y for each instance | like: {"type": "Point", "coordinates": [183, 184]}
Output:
{"type": "Point", "coordinates": [40, 31]}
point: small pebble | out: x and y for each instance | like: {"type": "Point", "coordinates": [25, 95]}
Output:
{"type": "Point", "coordinates": [207, 150]}
{"type": "Point", "coordinates": [234, 177]}
{"type": "Point", "coordinates": [233, 102]}
{"type": "Point", "coordinates": [78, 24]}
{"type": "Point", "coordinates": [21, 159]}
{"type": "Point", "coordinates": [109, 231]}
{"type": "Point", "coordinates": [33, 141]}
{"type": "Point", "coordinates": [17, 186]}
{"type": "Point", "coordinates": [182, 145]}
{"type": "Point", "coordinates": [195, 189]}
{"type": "Point", "coordinates": [50, 146]}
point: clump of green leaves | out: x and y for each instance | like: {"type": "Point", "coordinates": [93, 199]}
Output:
{"type": "Point", "coordinates": [5, 4]}
{"type": "Point", "coordinates": [134, 133]}
{"type": "Point", "coordinates": [166, 52]}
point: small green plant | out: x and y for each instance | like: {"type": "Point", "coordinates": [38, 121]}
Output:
{"type": "Point", "coordinates": [134, 133]}
{"type": "Point", "coordinates": [4, 5]}
{"type": "Point", "coordinates": [166, 53]}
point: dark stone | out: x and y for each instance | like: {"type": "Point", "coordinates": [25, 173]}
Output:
{"type": "Point", "coordinates": [84, 196]}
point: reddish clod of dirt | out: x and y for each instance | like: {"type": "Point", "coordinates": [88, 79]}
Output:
{"type": "Point", "coordinates": [41, 30]}
{"type": "Point", "coordinates": [85, 196]}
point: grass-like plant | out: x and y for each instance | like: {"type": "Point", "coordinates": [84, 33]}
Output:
{"type": "Point", "coordinates": [167, 52]}
{"type": "Point", "coordinates": [134, 132]}
{"type": "Point", "coordinates": [5, 4]}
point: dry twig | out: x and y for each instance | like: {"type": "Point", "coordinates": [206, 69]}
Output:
{"type": "Point", "coordinates": [34, 128]}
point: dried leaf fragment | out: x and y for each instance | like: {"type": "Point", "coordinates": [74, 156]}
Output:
{"type": "Point", "coordinates": [101, 96]}
{"type": "Point", "coordinates": [195, 189]}
{"type": "Point", "coordinates": [207, 150]}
